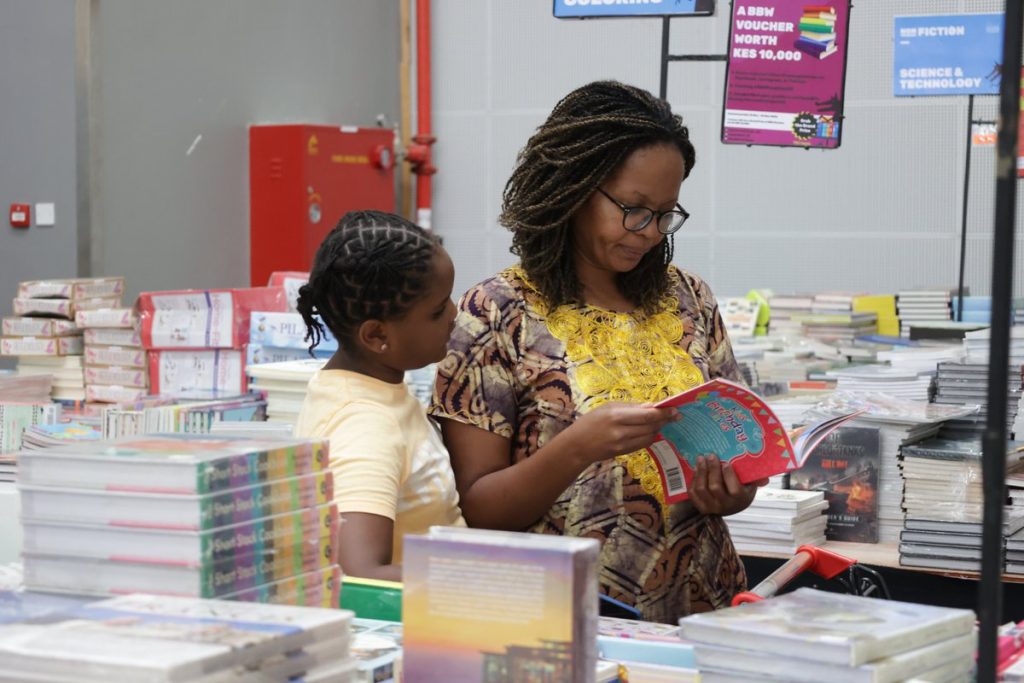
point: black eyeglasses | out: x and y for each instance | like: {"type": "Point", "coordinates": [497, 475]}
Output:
{"type": "Point", "coordinates": [636, 218]}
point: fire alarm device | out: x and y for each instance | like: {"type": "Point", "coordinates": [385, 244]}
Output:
{"type": "Point", "coordinates": [20, 215]}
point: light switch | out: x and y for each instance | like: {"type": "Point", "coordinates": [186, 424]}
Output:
{"type": "Point", "coordinates": [45, 214]}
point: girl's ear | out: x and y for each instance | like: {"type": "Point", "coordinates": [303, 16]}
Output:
{"type": "Point", "coordinates": [372, 336]}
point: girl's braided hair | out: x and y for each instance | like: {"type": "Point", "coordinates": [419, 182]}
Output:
{"type": "Point", "coordinates": [372, 266]}
{"type": "Point", "coordinates": [588, 135]}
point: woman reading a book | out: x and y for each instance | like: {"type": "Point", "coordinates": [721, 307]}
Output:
{"type": "Point", "coordinates": [544, 396]}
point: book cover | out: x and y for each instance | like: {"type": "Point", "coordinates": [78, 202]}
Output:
{"type": "Point", "coordinates": [828, 627]}
{"type": "Point", "coordinates": [730, 421]}
{"type": "Point", "coordinates": [540, 625]}
{"type": "Point", "coordinates": [845, 466]}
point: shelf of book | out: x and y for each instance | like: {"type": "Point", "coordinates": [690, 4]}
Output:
{"type": "Point", "coordinates": [882, 555]}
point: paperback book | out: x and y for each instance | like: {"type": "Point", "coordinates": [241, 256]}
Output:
{"type": "Point", "coordinates": [728, 420]}
{"type": "Point", "coordinates": [846, 468]}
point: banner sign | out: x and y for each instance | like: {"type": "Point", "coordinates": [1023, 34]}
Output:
{"type": "Point", "coordinates": [947, 54]}
{"type": "Point", "coordinates": [786, 73]}
{"type": "Point", "coordinates": [583, 9]}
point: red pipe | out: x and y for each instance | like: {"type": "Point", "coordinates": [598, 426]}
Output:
{"type": "Point", "coordinates": [420, 153]}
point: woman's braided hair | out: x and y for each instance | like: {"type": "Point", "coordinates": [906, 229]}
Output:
{"type": "Point", "coordinates": [588, 135]}
{"type": "Point", "coordinates": [372, 266]}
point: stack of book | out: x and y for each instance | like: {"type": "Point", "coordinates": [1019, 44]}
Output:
{"type": "Point", "coordinates": [817, 31]}
{"type": "Point", "coordinates": [44, 335]}
{"type": "Point", "coordinates": [50, 435]}
{"type": "Point", "coordinates": [276, 337]}
{"type": "Point", "coordinates": [910, 384]}
{"type": "Point", "coordinates": [779, 521]}
{"type": "Point", "coordinates": [839, 327]}
{"type": "Point", "coordinates": [115, 362]}
{"type": "Point", "coordinates": [195, 338]}
{"type": "Point", "coordinates": [166, 639]}
{"type": "Point", "coordinates": [966, 383]}
{"type": "Point", "coordinates": [155, 415]}
{"type": "Point", "coordinates": [812, 636]}
{"type": "Point", "coordinates": [922, 306]}
{"type": "Point", "coordinates": [179, 515]}
{"type": "Point", "coordinates": [16, 417]}
{"type": "Point", "coordinates": [284, 385]}
{"type": "Point", "coordinates": [541, 624]}
{"type": "Point", "coordinates": [8, 467]}
{"type": "Point", "coordinates": [1015, 554]}
{"type": "Point", "coordinates": [785, 309]}
{"type": "Point", "coordinates": [943, 499]}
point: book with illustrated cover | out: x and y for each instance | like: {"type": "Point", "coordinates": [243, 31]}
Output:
{"type": "Point", "coordinates": [828, 627]}
{"type": "Point", "coordinates": [728, 420]}
{"type": "Point", "coordinates": [846, 467]}
{"type": "Point", "coordinates": [172, 463]}
{"type": "Point", "coordinates": [540, 625]}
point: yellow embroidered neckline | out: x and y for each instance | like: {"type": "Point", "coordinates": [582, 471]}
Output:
{"type": "Point", "coordinates": [623, 357]}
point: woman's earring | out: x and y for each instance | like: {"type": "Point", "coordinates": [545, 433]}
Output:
{"type": "Point", "coordinates": [383, 347]}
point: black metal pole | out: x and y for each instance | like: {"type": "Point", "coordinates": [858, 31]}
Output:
{"type": "Point", "coordinates": [963, 222]}
{"type": "Point", "coordinates": [663, 89]}
{"type": "Point", "coordinates": [993, 464]}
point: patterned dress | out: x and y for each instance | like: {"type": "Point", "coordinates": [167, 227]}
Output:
{"type": "Point", "coordinates": [525, 372]}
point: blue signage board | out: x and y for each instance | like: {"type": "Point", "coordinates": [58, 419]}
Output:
{"type": "Point", "coordinates": [947, 54]}
{"type": "Point", "coordinates": [585, 9]}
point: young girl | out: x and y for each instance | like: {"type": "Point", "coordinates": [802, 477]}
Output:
{"type": "Point", "coordinates": [383, 287]}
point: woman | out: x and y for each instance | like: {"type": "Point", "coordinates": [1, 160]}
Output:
{"type": "Point", "coordinates": [544, 396]}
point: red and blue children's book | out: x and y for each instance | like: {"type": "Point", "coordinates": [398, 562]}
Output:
{"type": "Point", "coordinates": [729, 421]}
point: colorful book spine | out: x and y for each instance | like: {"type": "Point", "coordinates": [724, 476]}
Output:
{"type": "Point", "coordinates": [246, 572]}
{"type": "Point", "coordinates": [275, 497]}
{"type": "Point", "coordinates": [278, 536]}
{"type": "Point", "coordinates": [321, 588]}
{"type": "Point", "coordinates": [256, 468]}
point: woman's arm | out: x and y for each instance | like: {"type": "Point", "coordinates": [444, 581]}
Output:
{"type": "Point", "coordinates": [495, 493]}
{"type": "Point", "coordinates": [364, 546]}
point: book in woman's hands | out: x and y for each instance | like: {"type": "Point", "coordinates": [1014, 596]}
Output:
{"type": "Point", "coordinates": [731, 422]}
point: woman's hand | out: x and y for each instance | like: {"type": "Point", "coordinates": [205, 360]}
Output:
{"type": "Point", "coordinates": [618, 428]}
{"type": "Point", "coordinates": [716, 489]}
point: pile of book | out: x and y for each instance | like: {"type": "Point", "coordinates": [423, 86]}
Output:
{"type": "Point", "coordinates": [786, 309]}
{"type": "Point", "coordinates": [284, 385]}
{"type": "Point", "coordinates": [182, 515]}
{"type": "Point", "coordinates": [779, 521]}
{"type": "Point", "coordinates": [842, 327]}
{"type": "Point", "coordinates": [166, 639]}
{"type": "Point", "coordinates": [116, 366]}
{"type": "Point", "coordinates": [540, 625]}
{"type": "Point", "coordinates": [817, 31]}
{"type": "Point", "coordinates": [922, 306]}
{"type": "Point", "coordinates": [15, 417]}
{"type": "Point", "coordinates": [42, 436]}
{"type": "Point", "coordinates": [157, 415]}
{"type": "Point", "coordinates": [812, 636]}
{"type": "Point", "coordinates": [966, 383]}
{"type": "Point", "coordinates": [44, 335]}
{"type": "Point", "coordinates": [643, 651]}
{"type": "Point", "coordinates": [195, 338]}
{"type": "Point", "coordinates": [943, 499]}
{"type": "Point", "coordinates": [903, 383]}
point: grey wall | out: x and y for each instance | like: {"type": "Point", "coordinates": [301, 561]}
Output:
{"type": "Point", "coordinates": [37, 140]}
{"type": "Point", "coordinates": [879, 214]}
{"type": "Point", "coordinates": [176, 85]}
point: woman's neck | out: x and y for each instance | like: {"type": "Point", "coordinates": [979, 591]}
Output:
{"type": "Point", "coordinates": [600, 287]}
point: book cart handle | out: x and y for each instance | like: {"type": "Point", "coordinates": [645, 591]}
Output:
{"type": "Point", "coordinates": [824, 563]}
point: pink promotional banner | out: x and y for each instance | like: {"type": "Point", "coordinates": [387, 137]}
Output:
{"type": "Point", "coordinates": [786, 73]}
